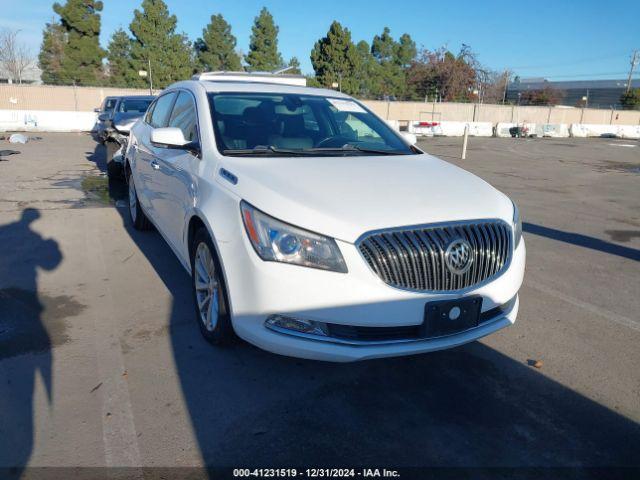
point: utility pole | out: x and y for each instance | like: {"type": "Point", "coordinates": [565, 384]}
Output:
{"type": "Point", "coordinates": [635, 58]}
{"type": "Point", "coordinates": [150, 78]}
{"type": "Point", "coordinates": [506, 84]}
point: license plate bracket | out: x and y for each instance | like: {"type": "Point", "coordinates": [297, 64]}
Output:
{"type": "Point", "coordinates": [446, 317]}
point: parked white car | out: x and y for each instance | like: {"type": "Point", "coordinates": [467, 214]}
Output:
{"type": "Point", "coordinates": [313, 229]}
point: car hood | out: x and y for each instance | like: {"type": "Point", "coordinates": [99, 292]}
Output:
{"type": "Point", "coordinates": [345, 197]}
{"type": "Point", "coordinates": [124, 121]}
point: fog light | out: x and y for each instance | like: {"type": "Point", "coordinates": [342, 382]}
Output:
{"type": "Point", "coordinates": [309, 327]}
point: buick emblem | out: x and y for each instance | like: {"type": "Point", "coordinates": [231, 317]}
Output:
{"type": "Point", "coordinates": [458, 256]}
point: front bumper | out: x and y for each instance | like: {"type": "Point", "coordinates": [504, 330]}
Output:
{"type": "Point", "coordinates": [348, 352]}
{"type": "Point", "coordinates": [259, 289]}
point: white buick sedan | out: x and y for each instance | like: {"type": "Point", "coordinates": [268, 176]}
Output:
{"type": "Point", "coordinates": [311, 228]}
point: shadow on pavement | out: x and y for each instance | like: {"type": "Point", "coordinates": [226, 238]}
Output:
{"type": "Point", "coordinates": [583, 241]}
{"type": "Point", "coordinates": [116, 187]}
{"type": "Point", "coordinates": [25, 335]}
{"type": "Point", "coordinates": [471, 406]}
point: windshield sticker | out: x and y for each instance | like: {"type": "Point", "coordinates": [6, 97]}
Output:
{"type": "Point", "coordinates": [346, 105]}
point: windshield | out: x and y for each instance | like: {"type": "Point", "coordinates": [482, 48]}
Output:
{"type": "Point", "coordinates": [134, 105]}
{"type": "Point", "coordinates": [285, 124]}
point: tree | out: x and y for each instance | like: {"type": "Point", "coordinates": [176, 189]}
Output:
{"type": "Point", "coordinates": [407, 51]}
{"type": "Point", "coordinates": [394, 58]}
{"type": "Point", "coordinates": [312, 81]}
{"type": "Point", "coordinates": [121, 72]}
{"type": "Point", "coordinates": [294, 63]}
{"type": "Point", "coordinates": [81, 62]}
{"type": "Point", "coordinates": [368, 72]}
{"type": "Point", "coordinates": [155, 40]}
{"type": "Point", "coordinates": [545, 96]}
{"type": "Point", "coordinates": [15, 57]}
{"type": "Point", "coordinates": [631, 99]}
{"type": "Point", "coordinates": [335, 59]}
{"type": "Point", "coordinates": [495, 88]}
{"type": "Point", "coordinates": [263, 47]}
{"type": "Point", "coordinates": [440, 74]}
{"type": "Point", "coordinates": [51, 53]}
{"type": "Point", "coordinates": [216, 50]}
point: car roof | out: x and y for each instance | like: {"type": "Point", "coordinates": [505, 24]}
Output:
{"type": "Point", "coordinates": [218, 86]}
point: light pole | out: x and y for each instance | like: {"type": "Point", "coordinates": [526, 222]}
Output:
{"type": "Point", "coordinates": [634, 60]}
{"type": "Point", "coordinates": [145, 74]}
{"type": "Point", "coordinates": [506, 84]}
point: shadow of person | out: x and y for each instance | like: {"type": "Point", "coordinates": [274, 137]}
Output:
{"type": "Point", "coordinates": [25, 344]}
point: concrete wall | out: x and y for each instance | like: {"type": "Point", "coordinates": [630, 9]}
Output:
{"type": "Point", "coordinates": [43, 97]}
{"type": "Point", "coordinates": [46, 121]}
{"type": "Point", "coordinates": [54, 98]}
{"type": "Point", "coordinates": [467, 112]}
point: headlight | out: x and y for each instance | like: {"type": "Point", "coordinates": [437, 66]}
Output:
{"type": "Point", "coordinates": [277, 241]}
{"type": "Point", "coordinates": [517, 226]}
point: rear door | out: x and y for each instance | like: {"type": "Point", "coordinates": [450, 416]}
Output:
{"type": "Point", "coordinates": [147, 165]}
{"type": "Point", "coordinates": [175, 175]}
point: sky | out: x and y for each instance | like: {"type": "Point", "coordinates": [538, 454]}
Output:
{"type": "Point", "coordinates": [559, 40]}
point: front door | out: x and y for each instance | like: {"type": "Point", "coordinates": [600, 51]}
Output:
{"type": "Point", "coordinates": [175, 179]}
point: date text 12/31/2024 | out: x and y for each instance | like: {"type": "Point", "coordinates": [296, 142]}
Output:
{"type": "Point", "coordinates": [315, 473]}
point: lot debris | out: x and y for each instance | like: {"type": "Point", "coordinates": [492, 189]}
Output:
{"type": "Point", "coordinates": [18, 138]}
{"type": "Point", "coordinates": [535, 363]}
{"type": "Point", "coordinates": [96, 387]}
{"type": "Point", "coordinates": [6, 153]}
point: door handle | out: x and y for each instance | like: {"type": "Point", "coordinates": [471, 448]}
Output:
{"type": "Point", "coordinates": [155, 165]}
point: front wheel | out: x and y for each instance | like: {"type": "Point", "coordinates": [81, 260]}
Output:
{"type": "Point", "coordinates": [209, 291]}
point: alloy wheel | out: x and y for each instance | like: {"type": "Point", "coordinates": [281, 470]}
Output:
{"type": "Point", "coordinates": [132, 199]}
{"type": "Point", "coordinates": [207, 287]}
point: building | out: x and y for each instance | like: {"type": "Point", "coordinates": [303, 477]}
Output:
{"type": "Point", "coordinates": [599, 93]}
{"type": "Point", "coordinates": [31, 75]}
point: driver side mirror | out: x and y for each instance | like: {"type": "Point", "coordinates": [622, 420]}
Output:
{"type": "Point", "coordinates": [410, 138]}
{"type": "Point", "coordinates": [171, 137]}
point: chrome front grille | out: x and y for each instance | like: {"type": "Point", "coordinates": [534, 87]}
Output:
{"type": "Point", "coordinates": [417, 258]}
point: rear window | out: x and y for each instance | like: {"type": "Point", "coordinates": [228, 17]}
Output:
{"type": "Point", "coordinates": [134, 105]}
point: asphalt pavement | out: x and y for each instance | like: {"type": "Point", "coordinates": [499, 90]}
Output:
{"type": "Point", "coordinates": [102, 363]}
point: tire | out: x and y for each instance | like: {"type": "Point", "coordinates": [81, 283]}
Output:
{"type": "Point", "coordinates": [136, 214]}
{"type": "Point", "coordinates": [209, 291]}
{"type": "Point", "coordinates": [114, 170]}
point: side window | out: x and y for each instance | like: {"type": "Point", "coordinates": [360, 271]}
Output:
{"type": "Point", "coordinates": [147, 116]}
{"type": "Point", "coordinates": [183, 116]}
{"type": "Point", "coordinates": [161, 110]}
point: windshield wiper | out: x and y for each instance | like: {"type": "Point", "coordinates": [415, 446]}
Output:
{"type": "Point", "coordinates": [270, 150]}
{"type": "Point", "coordinates": [264, 150]}
{"type": "Point", "coordinates": [351, 148]}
